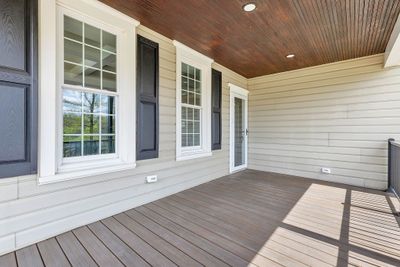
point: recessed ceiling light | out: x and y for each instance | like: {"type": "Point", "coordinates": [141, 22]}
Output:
{"type": "Point", "coordinates": [290, 56]}
{"type": "Point", "coordinates": [249, 7]}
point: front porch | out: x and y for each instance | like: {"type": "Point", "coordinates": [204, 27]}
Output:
{"type": "Point", "coordinates": [248, 218]}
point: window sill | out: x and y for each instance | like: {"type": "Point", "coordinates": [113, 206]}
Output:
{"type": "Point", "coordinates": [187, 156]}
{"type": "Point", "coordinates": [64, 175]}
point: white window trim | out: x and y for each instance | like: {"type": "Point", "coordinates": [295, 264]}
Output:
{"type": "Point", "coordinates": [189, 56]}
{"type": "Point", "coordinates": [49, 169]}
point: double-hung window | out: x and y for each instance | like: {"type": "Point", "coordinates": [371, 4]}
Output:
{"type": "Point", "coordinates": [193, 96]}
{"type": "Point", "coordinates": [87, 91]}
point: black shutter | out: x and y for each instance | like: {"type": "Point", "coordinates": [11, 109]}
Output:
{"type": "Point", "coordinates": [18, 87]}
{"type": "Point", "coordinates": [216, 109]}
{"type": "Point", "coordinates": [147, 99]}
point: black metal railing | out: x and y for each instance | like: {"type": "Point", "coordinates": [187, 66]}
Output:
{"type": "Point", "coordinates": [394, 167]}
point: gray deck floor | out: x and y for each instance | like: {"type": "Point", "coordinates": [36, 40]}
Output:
{"type": "Point", "coordinates": [249, 218]}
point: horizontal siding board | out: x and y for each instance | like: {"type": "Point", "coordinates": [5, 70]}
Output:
{"type": "Point", "coordinates": [337, 115]}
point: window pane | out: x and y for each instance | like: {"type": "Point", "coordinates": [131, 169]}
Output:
{"type": "Point", "coordinates": [72, 123]}
{"type": "Point", "coordinates": [107, 125]}
{"type": "Point", "coordinates": [107, 144]}
{"type": "Point", "coordinates": [72, 146]}
{"type": "Point", "coordinates": [190, 140]}
{"type": "Point", "coordinates": [92, 78]}
{"type": "Point", "coordinates": [184, 113]}
{"type": "Point", "coordinates": [191, 98]}
{"type": "Point", "coordinates": [184, 127]}
{"type": "Point", "coordinates": [109, 82]}
{"type": "Point", "coordinates": [185, 71]}
{"type": "Point", "coordinates": [196, 127]}
{"type": "Point", "coordinates": [72, 74]}
{"type": "Point", "coordinates": [91, 124]}
{"type": "Point", "coordinates": [92, 36]}
{"type": "Point", "coordinates": [184, 97]}
{"type": "Point", "coordinates": [91, 145]}
{"type": "Point", "coordinates": [190, 126]}
{"type": "Point", "coordinates": [72, 28]}
{"type": "Point", "coordinates": [197, 100]}
{"type": "Point", "coordinates": [72, 51]}
{"type": "Point", "coordinates": [109, 62]}
{"type": "Point", "coordinates": [72, 101]}
{"type": "Point", "coordinates": [196, 114]}
{"type": "Point", "coordinates": [191, 85]}
{"type": "Point", "coordinates": [184, 140]}
{"type": "Point", "coordinates": [197, 87]}
{"type": "Point", "coordinates": [109, 42]}
{"type": "Point", "coordinates": [191, 72]}
{"type": "Point", "coordinates": [92, 57]}
{"type": "Point", "coordinates": [107, 104]}
{"type": "Point", "coordinates": [198, 75]}
{"type": "Point", "coordinates": [196, 140]}
{"type": "Point", "coordinates": [190, 113]}
{"type": "Point", "coordinates": [91, 103]}
{"type": "Point", "coordinates": [184, 83]}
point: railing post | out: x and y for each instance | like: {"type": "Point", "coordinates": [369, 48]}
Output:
{"type": "Point", "coordinates": [390, 140]}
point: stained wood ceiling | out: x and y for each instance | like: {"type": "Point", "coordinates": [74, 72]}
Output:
{"type": "Point", "coordinates": [256, 43]}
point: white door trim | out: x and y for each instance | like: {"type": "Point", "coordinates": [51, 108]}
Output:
{"type": "Point", "coordinates": [238, 92]}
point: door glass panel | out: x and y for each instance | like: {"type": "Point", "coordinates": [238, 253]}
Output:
{"type": "Point", "coordinates": [240, 132]}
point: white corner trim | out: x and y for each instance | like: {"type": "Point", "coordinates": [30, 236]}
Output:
{"type": "Point", "coordinates": [185, 49]}
{"type": "Point", "coordinates": [238, 90]}
{"type": "Point", "coordinates": [392, 52]}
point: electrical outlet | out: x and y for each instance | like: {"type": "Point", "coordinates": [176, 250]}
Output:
{"type": "Point", "coordinates": [326, 170]}
{"type": "Point", "coordinates": [151, 179]}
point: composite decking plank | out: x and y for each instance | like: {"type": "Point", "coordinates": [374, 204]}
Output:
{"type": "Point", "coordinates": [254, 210]}
{"type": "Point", "coordinates": [8, 260]}
{"type": "Point", "coordinates": [261, 230]}
{"type": "Point", "coordinates": [97, 250]}
{"type": "Point", "coordinates": [170, 251]}
{"type": "Point", "coordinates": [361, 233]}
{"type": "Point", "coordinates": [193, 238]}
{"type": "Point", "coordinates": [124, 253]}
{"type": "Point", "coordinates": [239, 250]}
{"type": "Point", "coordinates": [187, 247]}
{"type": "Point", "coordinates": [270, 202]}
{"type": "Point", "coordinates": [245, 239]}
{"type": "Point", "coordinates": [152, 256]}
{"type": "Point", "coordinates": [52, 253]}
{"type": "Point", "coordinates": [224, 226]}
{"type": "Point", "coordinates": [247, 218]}
{"type": "Point", "coordinates": [178, 213]}
{"type": "Point", "coordinates": [392, 256]}
{"type": "Point", "coordinates": [75, 252]}
{"type": "Point", "coordinates": [235, 234]}
{"type": "Point", "coordinates": [29, 257]}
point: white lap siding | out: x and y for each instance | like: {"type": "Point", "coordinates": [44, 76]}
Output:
{"type": "Point", "coordinates": [337, 116]}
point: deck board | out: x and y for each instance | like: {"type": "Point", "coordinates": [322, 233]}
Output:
{"type": "Point", "coordinates": [75, 252]}
{"type": "Point", "coordinates": [249, 218]}
{"type": "Point", "coordinates": [97, 250]}
{"type": "Point", "coordinates": [29, 257]}
{"type": "Point", "coordinates": [52, 254]}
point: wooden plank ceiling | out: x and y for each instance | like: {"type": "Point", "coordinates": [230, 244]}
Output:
{"type": "Point", "coordinates": [256, 43]}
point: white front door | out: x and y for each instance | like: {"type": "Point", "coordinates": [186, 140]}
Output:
{"type": "Point", "coordinates": [238, 128]}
